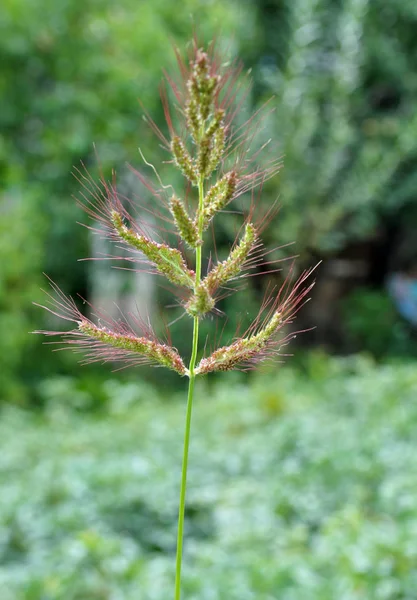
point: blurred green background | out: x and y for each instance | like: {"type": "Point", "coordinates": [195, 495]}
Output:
{"type": "Point", "coordinates": [303, 479]}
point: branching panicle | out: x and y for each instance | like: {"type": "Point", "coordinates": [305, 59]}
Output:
{"type": "Point", "coordinates": [210, 140]}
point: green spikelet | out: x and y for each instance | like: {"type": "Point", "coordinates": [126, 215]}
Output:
{"type": "Point", "coordinates": [218, 145]}
{"type": "Point", "coordinates": [186, 227]}
{"type": "Point", "coordinates": [241, 351]}
{"type": "Point", "coordinates": [168, 261]}
{"type": "Point", "coordinates": [183, 160]}
{"type": "Point", "coordinates": [218, 196]}
{"type": "Point", "coordinates": [232, 266]}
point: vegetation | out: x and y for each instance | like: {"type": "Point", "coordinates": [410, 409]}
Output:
{"type": "Point", "coordinates": [302, 485]}
{"type": "Point", "coordinates": [344, 117]}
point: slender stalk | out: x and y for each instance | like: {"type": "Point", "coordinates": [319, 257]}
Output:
{"type": "Point", "coordinates": [194, 350]}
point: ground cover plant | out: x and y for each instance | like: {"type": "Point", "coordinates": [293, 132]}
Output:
{"type": "Point", "coordinates": [216, 157]}
{"type": "Point", "coordinates": [301, 486]}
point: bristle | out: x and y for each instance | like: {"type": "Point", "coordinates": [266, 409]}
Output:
{"type": "Point", "coordinates": [111, 340]}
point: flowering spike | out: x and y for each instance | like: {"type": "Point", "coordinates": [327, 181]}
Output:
{"type": "Point", "coordinates": [183, 160]}
{"type": "Point", "coordinates": [205, 121]}
{"type": "Point", "coordinates": [210, 151]}
{"type": "Point", "coordinates": [218, 196]}
{"type": "Point", "coordinates": [185, 225]}
{"type": "Point", "coordinates": [157, 353]}
{"type": "Point", "coordinates": [243, 351]}
{"type": "Point", "coordinates": [201, 89]}
{"type": "Point", "coordinates": [168, 261]}
{"type": "Point", "coordinates": [204, 157]}
{"type": "Point", "coordinates": [111, 340]}
{"type": "Point", "coordinates": [232, 266]}
{"type": "Point", "coordinates": [259, 341]}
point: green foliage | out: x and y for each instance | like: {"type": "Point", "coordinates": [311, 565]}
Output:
{"type": "Point", "coordinates": [21, 254]}
{"type": "Point", "coordinates": [345, 87]}
{"type": "Point", "coordinates": [301, 486]}
{"type": "Point", "coordinates": [373, 324]}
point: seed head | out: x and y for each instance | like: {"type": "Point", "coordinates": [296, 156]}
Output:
{"type": "Point", "coordinates": [209, 140]}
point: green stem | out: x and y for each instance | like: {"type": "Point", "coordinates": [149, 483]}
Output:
{"type": "Point", "coordinates": [192, 376]}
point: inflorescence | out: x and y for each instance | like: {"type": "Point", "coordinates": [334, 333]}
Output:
{"type": "Point", "coordinates": [212, 155]}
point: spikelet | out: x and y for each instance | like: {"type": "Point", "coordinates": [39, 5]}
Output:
{"type": "Point", "coordinates": [232, 266]}
{"type": "Point", "coordinates": [183, 160]}
{"type": "Point", "coordinates": [241, 352]}
{"type": "Point", "coordinates": [168, 261]}
{"type": "Point", "coordinates": [187, 228]}
{"type": "Point", "coordinates": [156, 353]}
{"type": "Point", "coordinates": [218, 142]}
{"type": "Point", "coordinates": [218, 196]}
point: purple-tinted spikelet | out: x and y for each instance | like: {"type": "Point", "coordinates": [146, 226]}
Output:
{"type": "Point", "coordinates": [260, 341]}
{"type": "Point", "coordinates": [109, 340]}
